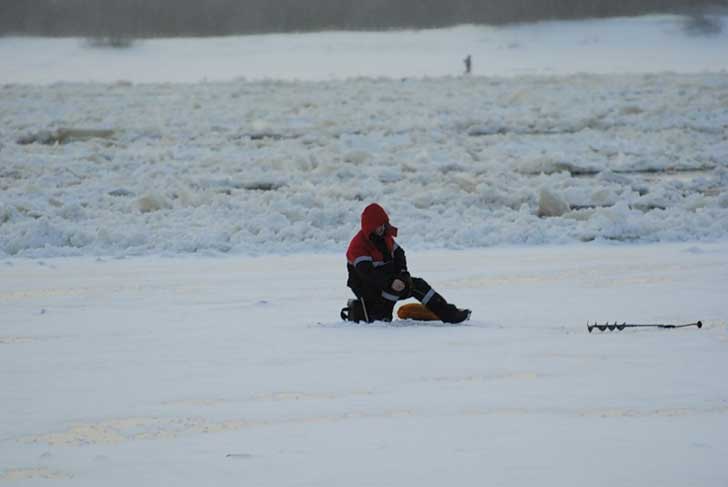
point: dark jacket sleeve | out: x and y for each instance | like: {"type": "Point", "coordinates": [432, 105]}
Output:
{"type": "Point", "coordinates": [400, 261]}
{"type": "Point", "coordinates": [379, 278]}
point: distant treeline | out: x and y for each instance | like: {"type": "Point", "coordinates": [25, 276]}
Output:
{"type": "Point", "coordinates": [152, 18]}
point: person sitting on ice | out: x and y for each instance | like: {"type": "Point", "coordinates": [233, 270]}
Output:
{"type": "Point", "coordinates": [379, 277]}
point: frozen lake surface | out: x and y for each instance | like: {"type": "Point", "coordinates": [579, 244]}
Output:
{"type": "Point", "coordinates": [260, 167]}
{"type": "Point", "coordinates": [622, 138]}
{"type": "Point", "coordinates": [172, 258]}
{"type": "Point", "coordinates": [236, 369]}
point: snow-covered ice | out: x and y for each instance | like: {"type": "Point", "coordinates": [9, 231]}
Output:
{"type": "Point", "coordinates": [236, 370]}
{"type": "Point", "coordinates": [258, 167]}
{"type": "Point", "coordinates": [171, 269]}
{"type": "Point", "coordinates": [279, 165]}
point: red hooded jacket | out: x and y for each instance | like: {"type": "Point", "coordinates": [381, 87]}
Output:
{"type": "Point", "coordinates": [371, 266]}
{"type": "Point", "coordinates": [361, 248]}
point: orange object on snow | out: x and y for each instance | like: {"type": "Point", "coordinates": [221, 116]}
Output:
{"type": "Point", "coordinates": [416, 311]}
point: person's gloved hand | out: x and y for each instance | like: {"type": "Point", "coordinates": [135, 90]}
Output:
{"type": "Point", "coordinates": [398, 285]}
{"type": "Point", "coordinates": [402, 284]}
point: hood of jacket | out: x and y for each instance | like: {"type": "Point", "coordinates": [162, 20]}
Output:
{"type": "Point", "coordinates": [374, 217]}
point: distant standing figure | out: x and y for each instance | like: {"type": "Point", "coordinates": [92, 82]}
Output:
{"type": "Point", "coordinates": [468, 64]}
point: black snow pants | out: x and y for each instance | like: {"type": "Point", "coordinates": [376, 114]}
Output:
{"type": "Point", "coordinates": [375, 305]}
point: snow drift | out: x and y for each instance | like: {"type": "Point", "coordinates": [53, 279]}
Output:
{"type": "Point", "coordinates": [274, 166]}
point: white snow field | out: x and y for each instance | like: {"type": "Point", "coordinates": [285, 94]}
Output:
{"type": "Point", "coordinates": [236, 370]}
{"type": "Point", "coordinates": [260, 167]}
{"type": "Point", "coordinates": [172, 258]}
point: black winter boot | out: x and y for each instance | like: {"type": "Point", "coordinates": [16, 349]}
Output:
{"type": "Point", "coordinates": [461, 315]}
{"type": "Point", "coordinates": [354, 311]}
{"type": "Point", "coordinates": [448, 313]}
